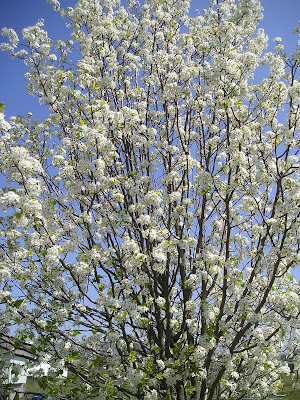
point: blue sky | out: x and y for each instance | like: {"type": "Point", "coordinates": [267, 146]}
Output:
{"type": "Point", "coordinates": [280, 17]}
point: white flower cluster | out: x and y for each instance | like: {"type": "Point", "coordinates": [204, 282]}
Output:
{"type": "Point", "coordinates": [4, 125]}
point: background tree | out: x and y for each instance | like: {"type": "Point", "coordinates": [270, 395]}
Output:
{"type": "Point", "coordinates": [152, 220]}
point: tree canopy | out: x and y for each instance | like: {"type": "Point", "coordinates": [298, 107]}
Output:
{"type": "Point", "coordinates": [151, 222]}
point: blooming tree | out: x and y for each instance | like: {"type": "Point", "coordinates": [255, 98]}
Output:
{"type": "Point", "coordinates": [152, 219]}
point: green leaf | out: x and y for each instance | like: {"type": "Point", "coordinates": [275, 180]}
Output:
{"type": "Point", "coordinates": [19, 214]}
{"type": "Point", "coordinates": [159, 375]}
{"type": "Point", "coordinates": [150, 367]}
{"type": "Point", "coordinates": [1, 107]}
{"type": "Point", "coordinates": [132, 357]}
{"type": "Point", "coordinates": [190, 389]}
{"type": "Point", "coordinates": [155, 348]}
{"type": "Point", "coordinates": [95, 86]}
{"type": "Point", "coordinates": [18, 302]}
{"type": "Point", "coordinates": [73, 356]}
{"type": "Point", "coordinates": [43, 252]}
{"type": "Point", "coordinates": [179, 346]}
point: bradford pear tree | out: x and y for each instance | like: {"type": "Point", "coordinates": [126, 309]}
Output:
{"type": "Point", "coordinates": [151, 221]}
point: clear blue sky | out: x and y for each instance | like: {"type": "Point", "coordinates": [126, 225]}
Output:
{"type": "Point", "coordinates": [280, 17]}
